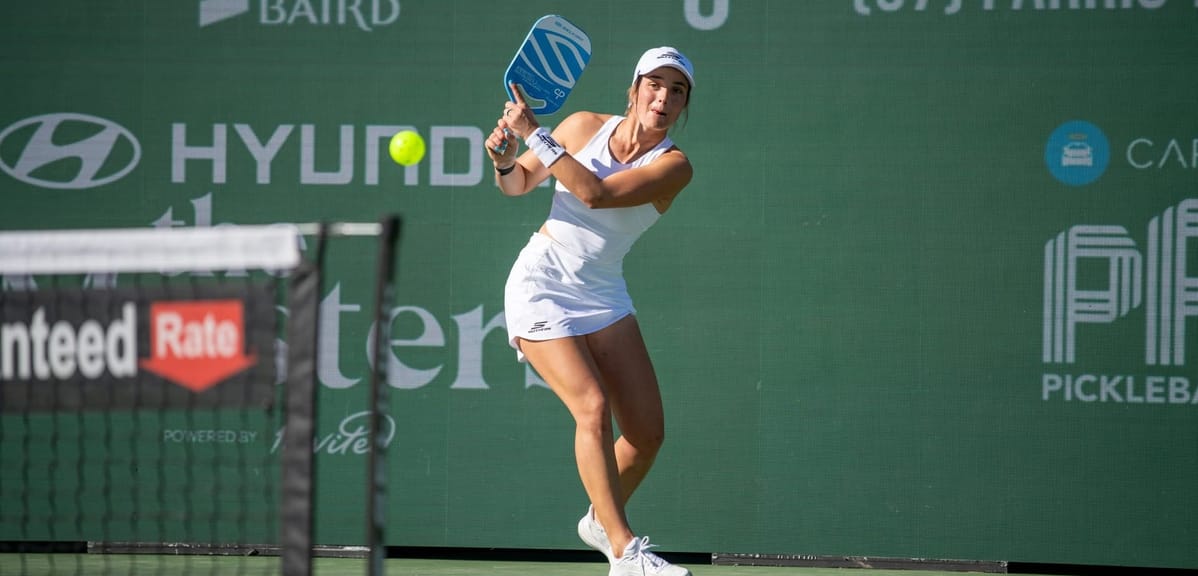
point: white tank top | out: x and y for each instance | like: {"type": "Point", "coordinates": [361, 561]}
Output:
{"type": "Point", "coordinates": [601, 235]}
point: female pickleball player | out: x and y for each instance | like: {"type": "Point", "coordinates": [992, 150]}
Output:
{"type": "Point", "coordinates": [567, 306]}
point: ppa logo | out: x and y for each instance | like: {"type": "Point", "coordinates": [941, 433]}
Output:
{"type": "Point", "coordinates": [1077, 153]}
{"type": "Point", "coordinates": [197, 344]}
{"type": "Point", "coordinates": [1097, 274]}
{"type": "Point", "coordinates": [68, 151]}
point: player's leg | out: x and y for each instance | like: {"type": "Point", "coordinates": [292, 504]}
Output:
{"type": "Point", "coordinates": [567, 366]}
{"type": "Point", "coordinates": [623, 362]}
{"type": "Point", "coordinates": [632, 390]}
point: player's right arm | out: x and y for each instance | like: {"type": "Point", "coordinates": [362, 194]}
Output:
{"type": "Point", "coordinates": [573, 133]}
{"type": "Point", "coordinates": [513, 177]}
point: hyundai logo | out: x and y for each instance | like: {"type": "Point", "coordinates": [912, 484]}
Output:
{"type": "Point", "coordinates": [68, 151]}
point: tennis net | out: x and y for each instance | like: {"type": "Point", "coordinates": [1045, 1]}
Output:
{"type": "Point", "coordinates": [157, 395]}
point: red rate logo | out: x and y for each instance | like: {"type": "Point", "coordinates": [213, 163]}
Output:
{"type": "Point", "coordinates": [197, 344]}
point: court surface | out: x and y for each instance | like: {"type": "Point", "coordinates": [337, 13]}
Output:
{"type": "Point", "coordinates": [90, 564]}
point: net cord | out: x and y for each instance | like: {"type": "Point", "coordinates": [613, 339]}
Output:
{"type": "Point", "coordinates": [118, 250]}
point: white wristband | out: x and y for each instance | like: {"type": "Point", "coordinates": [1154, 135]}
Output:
{"type": "Point", "coordinates": [544, 146]}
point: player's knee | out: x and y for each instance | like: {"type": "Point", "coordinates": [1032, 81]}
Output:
{"type": "Point", "coordinates": [592, 412]}
{"type": "Point", "coordinates": [647, 439]}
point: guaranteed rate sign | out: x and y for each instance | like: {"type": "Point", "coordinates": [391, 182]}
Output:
{"type": "Point", "coordinates": [47, 348]}
{"type": "Point", "coordinates": [197, 344]}
{"type": "Point", "coordinates": [209, 346]}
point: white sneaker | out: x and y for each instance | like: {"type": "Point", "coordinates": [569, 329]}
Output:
{"type": "Point", "coordinates": [594, 535]}
{"type": "Point", "coordinates": [639, 561]}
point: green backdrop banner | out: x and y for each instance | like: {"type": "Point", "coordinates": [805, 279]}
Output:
{"type": "Point", "coordinates": [927, 296]}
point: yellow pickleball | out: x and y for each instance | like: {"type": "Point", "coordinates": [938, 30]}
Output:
{"type": "Point", "coordinates": [407, 147]}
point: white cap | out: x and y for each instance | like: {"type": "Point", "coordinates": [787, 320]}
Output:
{"type": "Point", "coordinates": [655, 58]}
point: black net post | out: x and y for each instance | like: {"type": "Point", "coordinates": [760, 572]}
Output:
{"type": "Point", "coordinates": [296, 466]}
{"type": "Point", "coordinates": [376, 473]}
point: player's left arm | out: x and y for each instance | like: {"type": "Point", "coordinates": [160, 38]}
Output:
{"type": "Point", "coordinates": [658, 182]}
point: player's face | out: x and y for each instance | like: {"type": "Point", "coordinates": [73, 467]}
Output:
{"type": "Point", "coordinates": [661, 97]}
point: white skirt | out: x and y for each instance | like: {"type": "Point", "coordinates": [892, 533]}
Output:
{"type": "Point", "coordinates": [552, 293]}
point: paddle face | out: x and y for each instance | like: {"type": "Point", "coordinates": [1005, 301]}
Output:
{"type": "Point", "coordinates": [548, 63]}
